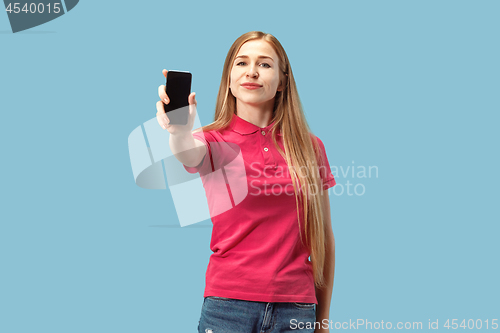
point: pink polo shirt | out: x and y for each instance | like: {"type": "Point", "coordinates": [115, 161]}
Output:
{"type": "Point", "coordinates": [257, 252]}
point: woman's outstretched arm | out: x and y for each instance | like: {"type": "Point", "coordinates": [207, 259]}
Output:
{"type": "Point", "coordinates": [324, 295]}
{"type": "Point", "coordinates": [188, 150]}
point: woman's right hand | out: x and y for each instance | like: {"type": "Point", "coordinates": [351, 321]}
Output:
{"type": "Point", "coordinates": [162, 117]}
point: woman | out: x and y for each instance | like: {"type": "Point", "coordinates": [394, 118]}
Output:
{"type": "Point", "coordinates": [260, 278]}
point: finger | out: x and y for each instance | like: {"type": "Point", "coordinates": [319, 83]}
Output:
{"type": "Point", "coordinates": [192, 103]}
{"type": "Point", "coordinates": [160, 108]}
{"type": "Point", "coordinates": [161, 115]}
{"type": "Point", "coordinates": [192, 98]}
{"type": "Point", "coordinates": [164, 72]}
{"type": "Point", "coordinates": [163, 94]}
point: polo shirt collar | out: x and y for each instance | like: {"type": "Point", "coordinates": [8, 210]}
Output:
{"type": "Point", "coordinates": [241, 126]}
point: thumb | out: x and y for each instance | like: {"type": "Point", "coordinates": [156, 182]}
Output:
{"type": "Point", "coordinates": [192, 103]}
{"type": "Point", "coordinates": [192, 99]}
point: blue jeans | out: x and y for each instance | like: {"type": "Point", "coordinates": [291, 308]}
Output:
{"type": "Point", "coordinates": [226, 315]}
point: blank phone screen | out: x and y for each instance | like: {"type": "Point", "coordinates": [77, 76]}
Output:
{"type": "Point", "coordinates": [178, 88]}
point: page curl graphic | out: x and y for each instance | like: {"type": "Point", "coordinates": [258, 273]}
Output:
{"type": "Point", "coordinates": [196, 196]}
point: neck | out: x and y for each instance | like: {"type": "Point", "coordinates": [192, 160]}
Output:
{"type": "Point", "coordinates": [259, 115]}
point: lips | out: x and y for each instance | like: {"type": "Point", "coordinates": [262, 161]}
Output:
{"type": "Point", "coordinates": [251, 85]}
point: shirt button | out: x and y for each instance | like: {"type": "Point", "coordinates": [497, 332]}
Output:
{"type": "Point", "coordinates": [263, 133]}
{"type": "Point", "coordinates": [265, 149]}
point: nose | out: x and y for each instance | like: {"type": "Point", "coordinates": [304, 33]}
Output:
{"type": "Point", "coordinates": [252, 71]}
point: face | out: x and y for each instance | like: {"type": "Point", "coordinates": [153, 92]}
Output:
{"type": "Point", "coordinates": [257, 63]}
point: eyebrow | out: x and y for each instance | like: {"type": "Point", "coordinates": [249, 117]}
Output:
{"type": "Point", "coordinates": [245, 56]}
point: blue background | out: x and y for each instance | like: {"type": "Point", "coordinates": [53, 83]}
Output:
{"type": "Point", "coordinates": [410, 87]}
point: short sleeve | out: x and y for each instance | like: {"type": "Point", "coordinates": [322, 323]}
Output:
{"type": "Point", "coordinates": [205, 165]}
{"type": "Point", "coordinates": [324, 168]}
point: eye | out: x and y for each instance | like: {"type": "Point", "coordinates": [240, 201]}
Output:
{"type": "Point", "coordinates": [266, 64]}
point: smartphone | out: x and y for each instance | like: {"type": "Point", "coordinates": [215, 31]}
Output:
{"type": "Point", "coordinates": [178, 88]}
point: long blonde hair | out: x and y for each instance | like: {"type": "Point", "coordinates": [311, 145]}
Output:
{"type": "Point", "coordinates": [301, 150]}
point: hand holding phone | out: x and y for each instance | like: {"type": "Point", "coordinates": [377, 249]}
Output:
{"type": "Point", "coordinates": [177, 109]}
